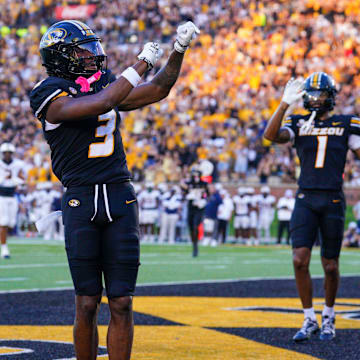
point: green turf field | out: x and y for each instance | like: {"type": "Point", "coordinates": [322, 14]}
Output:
{"type": "Point", "coordinates": [42, 264]}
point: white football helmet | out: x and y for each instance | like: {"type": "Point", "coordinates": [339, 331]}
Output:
{"type": "Point", "coordinates": [7, 147]}
{"type": "Point", "coordinates": [265, 190]}
{"type": "Point", "coordinates": [206, 167]}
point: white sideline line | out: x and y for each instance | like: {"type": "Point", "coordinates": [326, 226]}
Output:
{"type": "Point", "coordinates": [36, 242]}
{"type": "Point", "coordinates": [27, 266]}
{"type": "Point", "coordinates": [190, 282]}
{"type": "Point", "coordinates": [14, 279]}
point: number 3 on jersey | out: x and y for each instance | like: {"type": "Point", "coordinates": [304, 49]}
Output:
{"type": "Point", "coordinates": [321, 151]}
{"type": "Point", "coordinates": [106, 129]}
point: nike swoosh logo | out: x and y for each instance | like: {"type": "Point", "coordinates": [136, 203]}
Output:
{"type": "Point", "coordinates": [336, 201]}
{"type": "Point", "coordinates": [129, 201]}
{"type": "Point", "coordinates": [336, 123]}
{"type": "Point", "coordinates": [105, 86]}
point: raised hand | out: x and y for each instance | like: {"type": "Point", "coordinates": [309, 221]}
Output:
{"type": "Point", "coordinates": [294, 90]}
{"type": "Point", "coordinates": [185, 33]}
{"type": "Point", "coordinates": [151, 53]}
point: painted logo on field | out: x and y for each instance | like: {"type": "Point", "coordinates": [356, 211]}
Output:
{"type": "Point", "coordinates": [183, 322]}
{"type": "Point", "coordinates": [349, 310]}
{"type": "Point", "coordinates": [40, 349]}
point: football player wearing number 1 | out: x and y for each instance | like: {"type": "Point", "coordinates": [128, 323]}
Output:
{"type": "Point", "coordinates": [321, 141]}
{"type": "Point", "coordinates": [78, 106]}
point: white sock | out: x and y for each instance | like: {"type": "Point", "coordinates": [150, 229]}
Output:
{"type": "Point", "coordinates": [328, 311]}
{"type": "Point", "coordinates": [4, 247]}
{"type": "Point", "coordinates": [310, 313]}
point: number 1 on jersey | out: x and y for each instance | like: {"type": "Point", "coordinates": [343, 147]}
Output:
{"type": "Point", "coordinates": [321, 151]}
{"type": "Point", "coordinates": [105, 148]}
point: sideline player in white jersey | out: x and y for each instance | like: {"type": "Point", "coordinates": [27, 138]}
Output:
{"type": "Point", "coordinates": [172, 203]}
{"type": "Point", "coordinates": [285, 208]}
{"type": "Point", "coordinates": [149, 202]}
{"type": "Point", "coordinates": [224, 213]}
{"type": "Point", "coordinates": [163, 195]}
{"type": "Point", "coordinates": [242, 218]}
{"type": "Point", "coordinates": [10, 176]}
{"type": "Point", "coordinates": [266, 212]}
{"type": "Point", "coordinates": [254, 216]}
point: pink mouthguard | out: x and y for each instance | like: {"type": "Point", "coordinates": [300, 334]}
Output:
{"type": "Point", "coordinates": [85, 83]}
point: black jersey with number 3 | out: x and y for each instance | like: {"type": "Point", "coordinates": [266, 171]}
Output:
{"type": "Point", "coordinates": [322, 149]}
{"type": "Point", "coordinates": [87, 151]}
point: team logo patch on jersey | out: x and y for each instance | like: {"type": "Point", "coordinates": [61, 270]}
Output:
{"type": "Point", "coordinates": [301, 196]}
{"type": "Point", "coordinates": [74, 202]}
{"type": "Point", "coordinates": [72, 90]}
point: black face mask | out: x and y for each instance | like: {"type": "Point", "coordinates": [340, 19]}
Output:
{"type": "Point", "coordinates": [87, 58]}
{"type": "Point", "coordinates": [319, 101]}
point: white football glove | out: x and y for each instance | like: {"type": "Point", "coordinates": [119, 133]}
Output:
{"type": "Point", "coordinates": [294, 90]}
{"type": "Point", "coordinates": [185, 33]}
{"type": "Point", "coordinates": [151, 53]}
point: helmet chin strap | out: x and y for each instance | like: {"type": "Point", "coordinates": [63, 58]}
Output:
{"type": "Point", "coordinates": [309, 123]}
{"type": "Point", "coordinates": [85, 83]}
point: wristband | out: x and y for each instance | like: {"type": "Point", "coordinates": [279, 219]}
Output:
{"type": "Point", "coordinates": [179, 48]}
{"type": "Point", "coordinates": [131, 75]}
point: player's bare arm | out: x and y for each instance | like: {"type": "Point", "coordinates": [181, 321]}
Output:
{"type": "Point", "coordinates": [69, 109]}
{"type": "Point", "coordinates": [156, 89]}
{"type": "Point", "coordinates": [159, 87]}
{"type": "Point", "coordinates": [274, 132]}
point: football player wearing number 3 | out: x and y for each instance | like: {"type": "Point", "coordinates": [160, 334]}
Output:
{"type": "Point", "coordinates": [78, 106]}
{"type": "Point", "coordinates": [321, 141]}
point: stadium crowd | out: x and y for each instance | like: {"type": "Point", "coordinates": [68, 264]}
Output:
{"type": "Point", "coordinates": [231, 81]}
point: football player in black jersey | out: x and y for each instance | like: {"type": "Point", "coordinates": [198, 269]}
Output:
{"type": "Point", "coordinates": [197, 194]}
{"type": "Point", "coordinates": [321, 141]}
{"type": "Point", "coordinates": [78, 106]}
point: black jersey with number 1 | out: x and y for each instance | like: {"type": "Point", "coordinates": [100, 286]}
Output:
{"type": "Point", "coordinates": [322, 149]}
{"type": "Point", "coordinates": [87, 151]}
